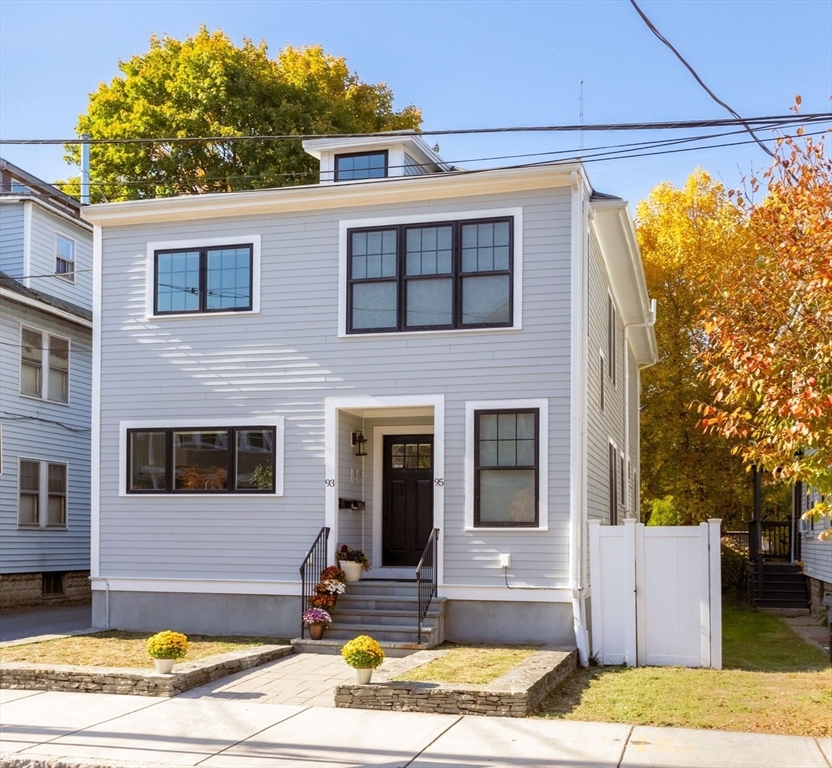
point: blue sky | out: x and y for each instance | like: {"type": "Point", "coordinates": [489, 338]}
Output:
{"type": "Point", "coordinates": [465, 64]}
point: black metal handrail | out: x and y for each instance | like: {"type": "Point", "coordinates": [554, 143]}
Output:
{"type": "Point", "coordinates": [426, 578]}
{"type": "Point", "coordinates": [310, 571]}
{"type": "Point", "coordinates": [771, 540]}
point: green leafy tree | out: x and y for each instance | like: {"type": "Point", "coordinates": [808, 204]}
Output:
{"type": "Point", "coordinates": [206, 86]}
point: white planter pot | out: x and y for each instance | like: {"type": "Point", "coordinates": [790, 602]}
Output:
{"type": "Point", "coordinates": [164, 666]}
{"type": "Point", "coordinates": [363, 675]}
{"type": "Point", "coordinates": [352, 570]}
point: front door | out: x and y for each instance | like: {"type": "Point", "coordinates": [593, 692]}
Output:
{"type": "Point", "coordinates": [407, 518]}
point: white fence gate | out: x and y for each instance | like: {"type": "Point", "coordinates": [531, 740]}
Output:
{"type": "Point", "coordinates": [656, 594]}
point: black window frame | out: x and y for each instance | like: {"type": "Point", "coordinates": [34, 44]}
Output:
{"type": "Point", "coordinates": [203, 279]}
{"type": "Point", "coordinates": [382, 152]}
{"type": "Point", "coordinates": [478, 467]}
{"type": "Point", "coordinates": [231, 461]}
{"type": "Point", "coordinates": [612, 339]}
{"type": "Point", "coordinates": [457, 276]}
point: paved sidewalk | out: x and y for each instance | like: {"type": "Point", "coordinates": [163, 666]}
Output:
{"type": "Point", "coordinates": [44, 622]}
{"type": "Point", "coordinates": [74, 729]}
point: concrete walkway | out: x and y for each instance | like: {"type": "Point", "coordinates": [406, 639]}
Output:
{"type": "Point", "coordinates": [44, 622]}
{"type": "Point", "coordinates": [97, 730]}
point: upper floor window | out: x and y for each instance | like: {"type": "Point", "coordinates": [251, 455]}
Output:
{"type": "Point", "coordinates": [202, 460]}
{"type": "Point", "coordinates": [42, 494]}
{"type": "Point", "coordinates": [65, 257]}
{"type": "Point", "coordinates": [207, 279]}
{"type": "Point", "coordinates": [447, 275]}
{"type": "Point", "coordinates": [364, 165]}
{"type": "Point", "coordinates": [44, 365]}
{"type": "Point", "coordinates": [612, 336]}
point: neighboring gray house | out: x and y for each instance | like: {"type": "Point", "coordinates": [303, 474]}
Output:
{"type": "Point", "coordinates": [815, 553]}
{"type": "Point", "coordinates": [45, 392]}
{"type": "Point", "coordinates": [403, 347]}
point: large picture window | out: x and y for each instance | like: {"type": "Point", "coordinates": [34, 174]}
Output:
{"type": "Point", "coordinates": [44, 365]}
{"type": "Point", "coordinates": [201, 460]}
{"type": "Point", "coordinates": [361, 165]}
{"type": "Point", "coordinates": [506, 465]}
{"type": "Point", "coordinates": [430, 276]}
{"type": "Point", "coordinates": [208, 279]}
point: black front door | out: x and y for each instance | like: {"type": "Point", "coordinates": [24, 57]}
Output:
{"type": "Point", "coordinates": [408, 498]}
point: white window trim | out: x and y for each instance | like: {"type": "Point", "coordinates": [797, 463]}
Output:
{"type": "Point", "coordinates": [428, 218]}
{"type": "Point", "coordinates": [542, 405]}
{"type": "Point", "coordinates": [203, 242]}
{"type": "Point", "coordinates": [68, 276]}
{"type": "Point", "coordinates": [44, 384]}
{"type": "Point", "coordinates": [43, 496]}
{"type": "Point", "coordinates": [268, 420]}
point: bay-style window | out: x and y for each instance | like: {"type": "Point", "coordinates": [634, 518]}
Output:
{"type": "Point", "coordinates": [202, 460]}
{"type": "Point", "coordinates": [436, 276]}
{"type": "Point", "coordinates": [203, 279]}
{"type": "Point", "coordinates": [506, 466]}
{"type": "Point", "coordinates": [44, 365]}
{"type": "Point", "coordinates": [42, 494]}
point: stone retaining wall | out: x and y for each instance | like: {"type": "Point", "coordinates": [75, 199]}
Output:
{"type": "Point", "coordinates": [516, 694]}
{"type": "Point", "coordinates": [43, 677]}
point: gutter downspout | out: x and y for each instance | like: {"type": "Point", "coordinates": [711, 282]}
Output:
{"type": "Point", "coordinates": [649, 324]}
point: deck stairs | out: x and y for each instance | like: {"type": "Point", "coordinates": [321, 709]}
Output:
{"type": "Point", "coordinates": [387, 611]}
{"type": "Point", "coordinates": [783, 585]}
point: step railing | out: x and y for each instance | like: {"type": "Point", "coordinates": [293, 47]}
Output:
{"type": "Point", "coordinates": [426, 578]}
{"type": "Point", "coordinates": [310, 572]}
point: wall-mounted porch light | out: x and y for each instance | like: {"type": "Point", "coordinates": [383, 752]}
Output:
{"type": "Point", "coordinates": [358, 442]}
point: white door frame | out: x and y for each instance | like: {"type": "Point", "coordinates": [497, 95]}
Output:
{"type": "Point", "coordinates": [332, 406]}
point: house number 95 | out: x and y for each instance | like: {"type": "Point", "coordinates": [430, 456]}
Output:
{"type": "Point", "coordinates": [439, 481]}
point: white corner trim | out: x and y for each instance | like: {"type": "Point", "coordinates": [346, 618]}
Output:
{"type": "Point", "coordinates": [542, 404]}
{"type": "Point", "coordinates": [95, 436]}
{"type": "Point", "coordinates": [203, 242]}
{"type": "Point", "coordinates": [267, 420]}
{"type": "Point", "coordinates": [198, 586]}
{"type": "Point", "coordinates": [516, 213]}
{"type": "Point", "coordinates": [502, 594]}
{"type": "Point", "coordinates": [27, 243]}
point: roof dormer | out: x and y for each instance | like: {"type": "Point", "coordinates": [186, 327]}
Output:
{"type": "Point", "coordinates": [374, 157]}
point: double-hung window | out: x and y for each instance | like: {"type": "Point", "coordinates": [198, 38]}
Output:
{"type": "Point", "coordinates": [44, 365]}
{"type": "Point", "coordinates": [202, 280]}
{"type": "Point", "coordinates": [506, 467]}
{"type": "Point", "coordinates": [440, 276]}
{"type": "Point", "coordinates": [202, 460]}
{"type": "Point", "coordinates": [42, 489]}
{"type": "Point", "coordinates": [65, 257]}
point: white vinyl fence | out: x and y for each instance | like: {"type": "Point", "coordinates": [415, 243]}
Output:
{"type": "Point", "coordinates": [656, 594]}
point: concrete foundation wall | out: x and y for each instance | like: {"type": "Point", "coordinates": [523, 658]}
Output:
{"type": "Point", "coordinates": [202, 614]}
{"type": "Point", "coordinates": [817, 589]}
{"type": "Point", "coordinates": [24, 590]}
{"type": "Point", "coordinates": [476, 621]}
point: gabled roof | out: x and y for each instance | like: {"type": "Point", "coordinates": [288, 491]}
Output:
{"type": "Point", "coordinates": [38, 189]}
{"type": "Point", "coordinates": [30, 296]}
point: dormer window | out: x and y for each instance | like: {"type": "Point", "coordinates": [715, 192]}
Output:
{"type": "Point", "coordinates": [361, 165]}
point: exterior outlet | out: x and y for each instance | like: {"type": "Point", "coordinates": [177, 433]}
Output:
{"type": "Point", "coordinates": [505, 561]}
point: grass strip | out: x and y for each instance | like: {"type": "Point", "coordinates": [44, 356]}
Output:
{"type": "Point", "coordinates": [470, 664]}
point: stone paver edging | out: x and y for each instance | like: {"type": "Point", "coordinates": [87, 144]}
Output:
{"type": "Point", "coordinates": [515, 694]}
{"type": "Point", "coordinates": [139, 682]}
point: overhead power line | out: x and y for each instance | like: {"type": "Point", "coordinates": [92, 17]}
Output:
{"type": "Point", "coordinates": [746, 123]}
{"type": "Point", "coordinates": [643, 126]}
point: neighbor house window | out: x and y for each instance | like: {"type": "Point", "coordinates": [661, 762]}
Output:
{"type": "Point", "coordinates": [44, 365]}
{"type": "Point", "coordinates": [363, 165]}
{"type": "Point", "coordinates": [42, 487]}
{"type": "Point", "coordinates": [209, 279]}
{"type": "Point", "coordinates": [65, 257]}
{"type": "Point", "coordinates": [611, 338]}
{"type": "Point", "coordinates": [506, 468]}
{"type": "Point", "coordinates": [202, 460]}
{"type": "Point", "coordinates": [430, 276]}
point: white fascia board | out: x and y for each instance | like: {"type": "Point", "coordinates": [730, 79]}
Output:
{"type": "Point", "coordinates": [614, 231]}
{"type": "Point", "coordinates": [51, 208]}
{"type": "Point", "coordinates": [5, 293]}
{"type": "Point", "coordinates": [395, 189]}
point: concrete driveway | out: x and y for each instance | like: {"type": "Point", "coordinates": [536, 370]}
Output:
{"type": "Point", "coordinates": [20, 623]}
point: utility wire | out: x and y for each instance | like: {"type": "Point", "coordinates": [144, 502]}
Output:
{"type": "Point", "coordinates": [23, 417]}
{"type": "Point", "coordinates": [643, 126]}
{"type": "Point", "coordinates": [698, 79]}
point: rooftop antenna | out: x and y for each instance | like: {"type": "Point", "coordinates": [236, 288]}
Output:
{"type": "Point", "coordinates": [581, 118]}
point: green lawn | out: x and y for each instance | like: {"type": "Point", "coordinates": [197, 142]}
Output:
{"type": "Point", "coordinates": [470, 664]}
{"type": "Point", "coordinates": [772, 682]}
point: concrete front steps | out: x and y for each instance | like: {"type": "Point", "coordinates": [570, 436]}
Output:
{"type": "Point", "coordinates": [385, 610]}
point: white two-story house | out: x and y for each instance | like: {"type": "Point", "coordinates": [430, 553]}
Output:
{"type": "Point", "coordinates": [45, 392]}
{"type": "Point", "coordinates": [401, 349]}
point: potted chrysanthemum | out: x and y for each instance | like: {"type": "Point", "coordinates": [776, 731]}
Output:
{"type": "Point", "coordinates": [352, 561]}
{"type": "Point", "coordinates": [165, 647]}
{"type": "Point", "coordinates": [363, 654]}
{"type": "Point", "coordinates": [317, 619]}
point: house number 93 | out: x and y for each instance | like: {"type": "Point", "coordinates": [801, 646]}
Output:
{"type": "Point", "coordinates": [329, 483]}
